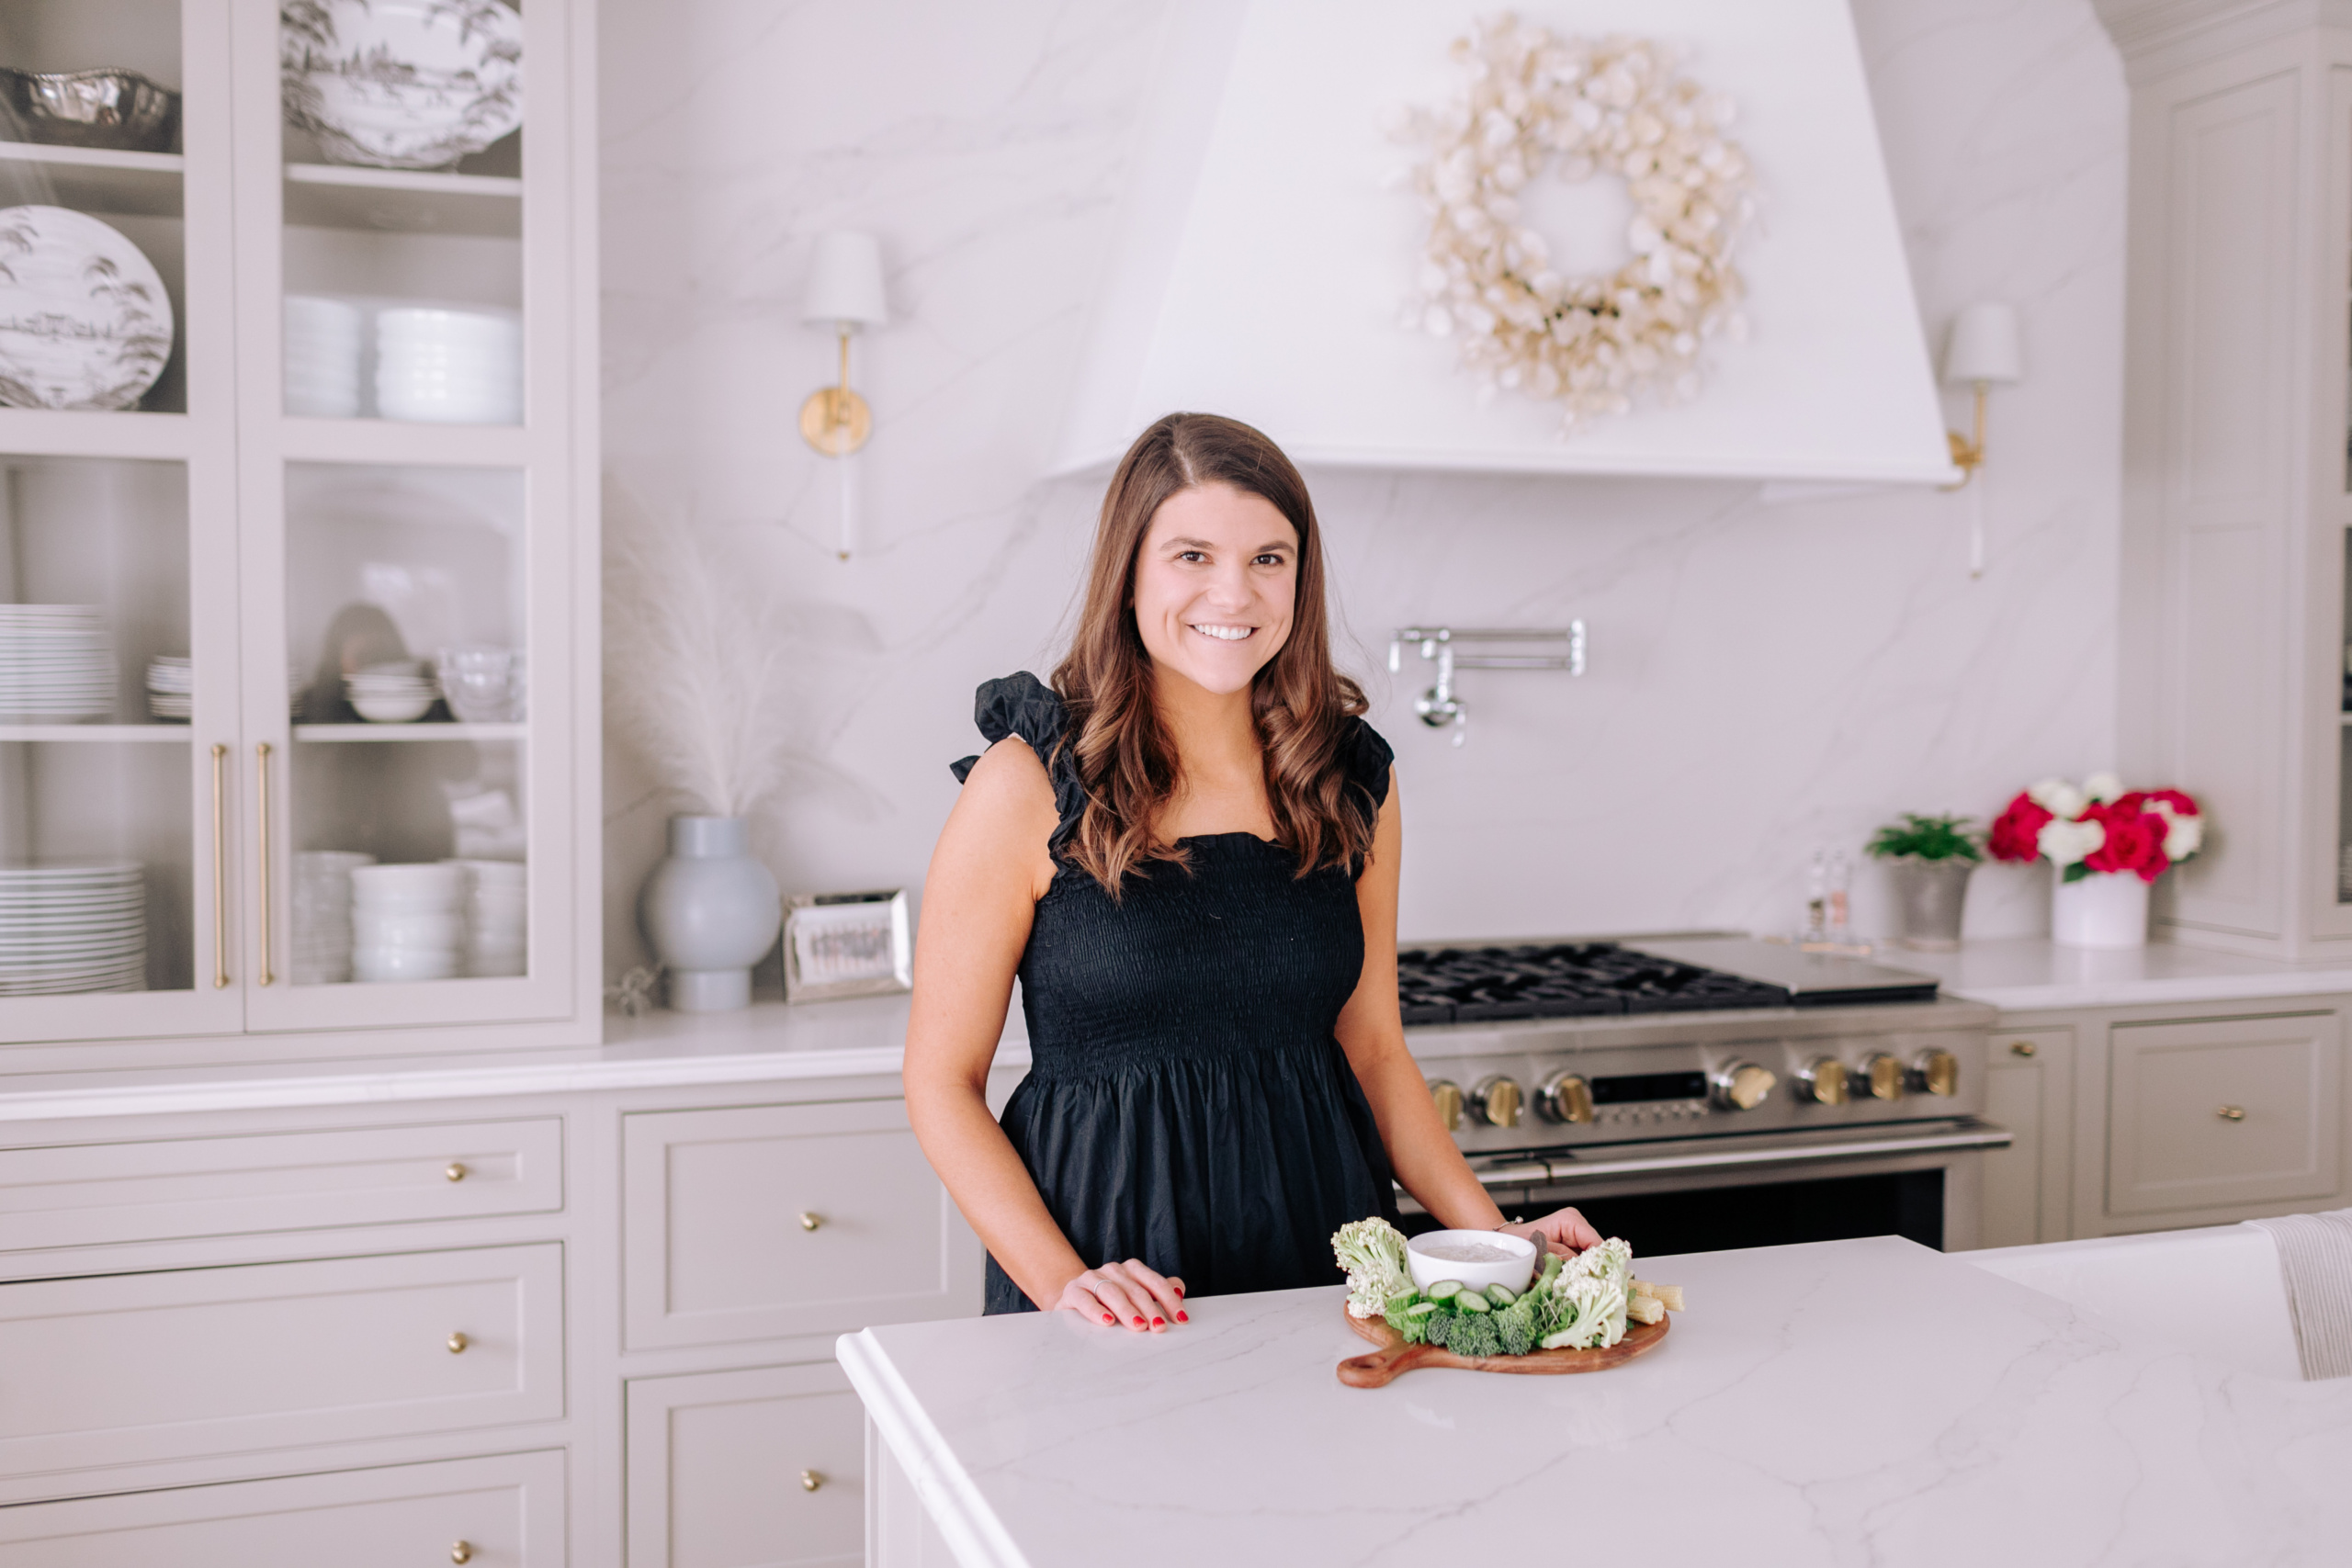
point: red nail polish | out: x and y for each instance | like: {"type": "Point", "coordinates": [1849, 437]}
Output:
{"type": "Point", "coordinates": [1138, 1320]}
{"type": "Point", "coordinates": [1108, 1318]}
{"type": "Point", "coordinates": [1159, 1323]}
{"type": "Point", "coordinates": [1181, 1318]}
{"type": "Point", "coordinates": [1179, 1290]}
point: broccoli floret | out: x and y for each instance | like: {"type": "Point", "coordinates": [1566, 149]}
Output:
{"type": "Point", "coordinates": [1517, 1324]}
{"type": "Point", "coordinates": [1466, 1335]}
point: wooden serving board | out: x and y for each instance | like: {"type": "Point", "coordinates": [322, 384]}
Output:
{"type": "Point", "coordinates": [1395, 1356]}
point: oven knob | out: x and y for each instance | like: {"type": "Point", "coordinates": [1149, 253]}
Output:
{"type": "Point", "coordinates": [1496, 1101]}
{"type": "Point", "coordinates": [1564, 1096]}
{"type": "Point", "coordinates": [1822, 1081]}
{"type": "Point", "coordinates": [1881, 1076]}
{"type": "Point", "coordinates": [1447, 1097]}
{"type": "Point", "coordinates": [1938, 1072]}
{"type": "Point", "coordinates": [1742, 1086]}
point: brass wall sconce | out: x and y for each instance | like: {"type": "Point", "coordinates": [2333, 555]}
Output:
{"type": "Point", "coordinates": [1981, 353]}
{"type": "Point", "coordinates": [844, 294]}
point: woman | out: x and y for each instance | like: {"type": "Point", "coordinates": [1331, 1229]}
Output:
{"type": "Point", "coordinates": [1187, 850]}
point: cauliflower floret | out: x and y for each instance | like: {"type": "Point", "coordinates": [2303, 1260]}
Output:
{"type": "Point", "coordinates": [1373, 1252]}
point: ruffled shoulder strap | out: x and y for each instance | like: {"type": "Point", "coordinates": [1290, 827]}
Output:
{"type": "Point", "coordinates": [1367, 757]}
{"type": "Point", "coordinates": [1022, 705]}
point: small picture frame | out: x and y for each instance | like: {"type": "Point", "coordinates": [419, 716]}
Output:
{"type": "Point", "coordinates": [846, 945]}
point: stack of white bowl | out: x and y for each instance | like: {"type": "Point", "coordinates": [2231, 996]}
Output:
{"type": "Point", "coordinates": [56, 662]}
{"type": "Point", "coordinates": [397, 691]}
{"type": "Point", "coordinates": [450, 367]}
{"type": "Point", "coordinates": [73, 927]}
{"type": "Point", "coordinates": [408, 923]}
{"type": "Point", "coordinates": [324, 338]}
{"type": "Point", "coordinates": [497, 898]}
{"type": "Point", "coordinates": [322, 915]}
{"type": "Point", "coordinates": [171, 688]}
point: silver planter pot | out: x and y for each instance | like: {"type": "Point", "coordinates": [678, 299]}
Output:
{"type": "Point", "coordinates": [1929, 898]}
{"type": "Point", "coordinates": [711, 911]}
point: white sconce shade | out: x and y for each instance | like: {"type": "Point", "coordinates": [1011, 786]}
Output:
{"type": "Point", "coordinates": [845, 282]}
{"type": "Point", "coordinates": [1983, 347]}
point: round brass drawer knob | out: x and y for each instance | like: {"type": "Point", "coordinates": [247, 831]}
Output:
{"type": "Point", "coordinates": [810, 1221]}
{"type": "Point", "coordinates": [2021, 1048]}
{"type": "Point", "coordinates": [455, 1170]}
{"type": "Point", "coordinates": [2231, 1112]}
{"type": "Point", "coordinates": [457, 1342]}
{"type": "Point", "coordinates": [810, 1480]}
{"type": "Point", "coordinates": [462, 1552]}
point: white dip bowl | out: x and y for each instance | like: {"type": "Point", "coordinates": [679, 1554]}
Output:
{"type": "Point", "coordinates": [1514, 1272]}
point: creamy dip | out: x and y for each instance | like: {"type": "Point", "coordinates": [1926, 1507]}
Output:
{"type": "Point", "coordinates": [1469, 1252]}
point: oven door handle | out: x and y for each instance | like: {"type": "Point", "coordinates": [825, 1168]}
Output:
{"type": "Point", "coordinates": [1551, 1172]}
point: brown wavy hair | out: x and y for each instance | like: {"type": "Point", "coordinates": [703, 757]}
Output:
{"type": "Point", "coordinates": [1301, 703]}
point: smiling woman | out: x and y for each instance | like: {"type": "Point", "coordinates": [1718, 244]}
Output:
{"type": "Point", "coordinates": [1187, 852]}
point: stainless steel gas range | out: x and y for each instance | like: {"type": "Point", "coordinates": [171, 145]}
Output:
{"type": "Point", "coordinates": [1692, 1093]}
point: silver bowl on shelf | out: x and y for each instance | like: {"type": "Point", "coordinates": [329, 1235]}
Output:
{"type": "Point", "coordinates": [121, 111]}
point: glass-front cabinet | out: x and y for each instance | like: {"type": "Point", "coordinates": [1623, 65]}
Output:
{"type": "Point", "coordinates": [296, 560]}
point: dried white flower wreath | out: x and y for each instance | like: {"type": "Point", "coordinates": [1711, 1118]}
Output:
{"type": "Point", "coordinates": [1578, 107]}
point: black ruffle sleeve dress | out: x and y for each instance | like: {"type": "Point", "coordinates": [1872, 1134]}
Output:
{"type": "Point", "coordinates": [1187, 1102]}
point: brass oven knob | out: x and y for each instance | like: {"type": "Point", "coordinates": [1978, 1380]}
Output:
{"type": "Point", "coordinates": [1938, 1072]}
{"type": "Point", "coordinates": [1564, 1096]}
{"type": "Point", "coordinates": [1822, 1081]}
{"type": "Point", "coordinates": [1881, 1076]}
{"type": "Point", "coordinates": [1447, 1097]}
{"type": "Point", "coordinates": [1495, 1100]}
{"type": "Point", "coordinates": [1742, 1086]}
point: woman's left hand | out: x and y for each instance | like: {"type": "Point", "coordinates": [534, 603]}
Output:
{"type": "Point", "coordinates": [1563, 1230]}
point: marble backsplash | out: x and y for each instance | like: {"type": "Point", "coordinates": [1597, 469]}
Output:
{"type": "Point", "coordinates": [1766, 678]}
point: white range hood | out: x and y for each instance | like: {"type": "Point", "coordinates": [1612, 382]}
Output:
{"type": "Point", "coordinates": [1266, 248]}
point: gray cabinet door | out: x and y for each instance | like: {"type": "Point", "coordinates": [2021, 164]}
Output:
{"type": "Point", "coordinates": [775, 1221]}
{"type": "Point", "coordinates": [756, 1469]}
{"type": "Point", "coordinates": [2029, 1088]}
{"type": "Point", "coordinates": [2221, 1112]}
{"type": "Point", "coordinates": [503, 1512]}
{"type": "Point", "coordinates": [127, 1369]}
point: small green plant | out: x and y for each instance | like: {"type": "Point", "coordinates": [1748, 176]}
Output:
{"type": "Point", "coordinates": [1926, 838]}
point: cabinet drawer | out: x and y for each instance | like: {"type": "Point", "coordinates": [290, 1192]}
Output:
{"type": "Point", "coordinates": [2173, 1139]}
{"type": "Point", "coordinates": [2026, 1090]}
{"type": "Point", "coordinates": [720, 1467]}
{"type": "Point", "coordinates": [507, 1512]}
{"type": "Point", "coordinates": [127, 1369]}
{"type": "Point", "coordinates": [780, 1220]}
{"type": "Point", "coordinates": [89, 1194]}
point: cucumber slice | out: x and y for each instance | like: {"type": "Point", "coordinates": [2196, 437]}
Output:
{"type": "Point", "coordinates": [1472, 1302]}
{"type": "Point", "coordinates": [1500, 1296]}
{"type": "Point", "coordinates": [1443, 1290]}
{"type": "Point", "coordinates": [1420, 1309]}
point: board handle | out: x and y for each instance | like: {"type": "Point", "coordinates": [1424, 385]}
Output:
{"type": "Point", "coordinates": [1376, 1368]}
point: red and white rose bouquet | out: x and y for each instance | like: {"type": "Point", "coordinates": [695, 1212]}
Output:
{"type": "Point", "coordinates": [2099, 828]}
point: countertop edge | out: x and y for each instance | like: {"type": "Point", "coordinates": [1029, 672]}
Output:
{"type": "Point", "coordinates": [2058, 996]}
{"type": "Point", "coordinates": [962, 1515]}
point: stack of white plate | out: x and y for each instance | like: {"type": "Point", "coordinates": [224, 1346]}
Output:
{"type": "Point", "coordinates": [408, 923]}
{"type": "Point", "coordinates": [56, 662]}
{"type": "Point", "coordinates": [322, 914]}
{"type": "Point", "coordinates": [73, 927]}
{"type": "Point", "coordinates": [171, 688]}
{"type": "Point", "coordinates": [497, 895]}
{"type": "Point", "coordinates": [450, 367]}
{"type": "Point", "coordinates": [394, 693]}
{"type": "Point", "coordinates": [324, 338]}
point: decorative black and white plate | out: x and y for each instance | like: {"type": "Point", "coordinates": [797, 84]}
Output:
{"type": "Point", "coordinates": [401, 84]}
{"type": "Point", "coordinates": [85, 322]}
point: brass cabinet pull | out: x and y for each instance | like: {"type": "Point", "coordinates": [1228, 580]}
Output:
{"type": "Point", "coordinates": [456, 1170]}
{"type": "Point", "coordinates": [810, 1480]}
{"type": "Point", "coordinates": [261, 808]}
{"type": "Point", "coordinates": [2021, 1048]}
{"type": "Point", "coordinates": [458, 1343]}
{"type": "Point", "coordinates": [219, 865]}
{"type": "Point", "coordinates": [810, 1221]}
{"type": "Point", "coordinates": [2231, 1112]}
{"type": "Point", "coordinates": [462, 1552]}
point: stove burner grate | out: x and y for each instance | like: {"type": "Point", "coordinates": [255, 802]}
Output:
{"type": "Point", "coordinates": [1452, 985]}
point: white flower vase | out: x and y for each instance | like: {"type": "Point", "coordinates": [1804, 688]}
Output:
{"type": "Point", "coordinates": [2104, 909]}
{"type": "Point", "coordinates": [711, 911]}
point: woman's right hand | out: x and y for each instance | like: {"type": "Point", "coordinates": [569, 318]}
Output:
{"type": "Point", "coordinates": [1131, 1293]}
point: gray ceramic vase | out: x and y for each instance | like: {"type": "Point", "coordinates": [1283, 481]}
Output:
{"type": "Point", "coordinates": [1929, 896]}
{"type": "Point", "coordinates": [711, 911]}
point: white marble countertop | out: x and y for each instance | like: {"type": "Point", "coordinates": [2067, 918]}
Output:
{"type": "Point", "coordinates": [2030, 973]}
{"type": "Point", "coordinates": [767, 1042]}
{"type": "Point", "coordinates": [1859, 1401]}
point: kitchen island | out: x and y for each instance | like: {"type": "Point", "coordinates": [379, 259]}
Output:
{"type": "Point", "coordinates": [1840, 1403]}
